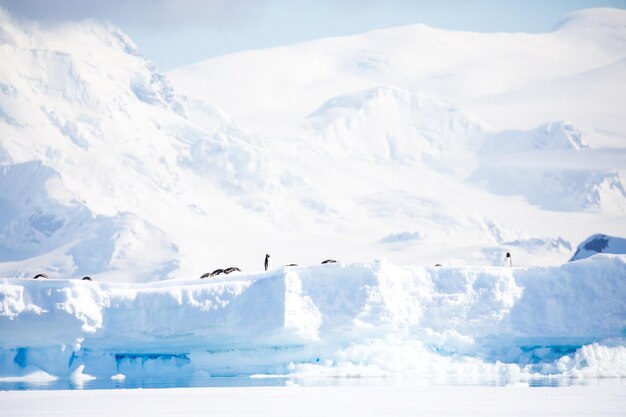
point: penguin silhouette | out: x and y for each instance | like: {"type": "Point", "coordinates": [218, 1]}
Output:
{"type": "Point", "coordinates": [268, 263]}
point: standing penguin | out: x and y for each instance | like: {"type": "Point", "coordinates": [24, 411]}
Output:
{"type": "Point", "coordinates": [268, 263]}
{"type": "Point", "coordinates": [507, 260]}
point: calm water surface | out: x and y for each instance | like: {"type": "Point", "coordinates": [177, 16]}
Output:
{"type": "Point", "coordinates": [246, 381]}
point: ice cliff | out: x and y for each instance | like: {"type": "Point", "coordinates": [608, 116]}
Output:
{"type": "Point", "coordinates": [375, 319]}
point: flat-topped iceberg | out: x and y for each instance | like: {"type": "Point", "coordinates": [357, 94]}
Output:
{"type": "Point", "coordinates": [375, 319]}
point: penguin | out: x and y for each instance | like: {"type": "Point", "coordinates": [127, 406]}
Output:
{"type": "Point", "coordinates": [216, 272]}
{"type": "Point", "coordinates": [507, 260]}
{"type": "Point", "coordinates": [40, 276]}
{"type": "Point", "coordinates": [231, 269]}
{"type": "Point", "coordinates": [205, 275]}
{"type": "Point", "coordinates": [86, 279]}
{"type": "Point", "coordinates": [268, 263]}
{"type": "Point", "coordinates": [292, 265]}
{"type": "Point", "coordinates": [329, 261]}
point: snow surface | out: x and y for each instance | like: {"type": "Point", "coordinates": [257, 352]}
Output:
{"type": "Point", "coordinates": [321, 401]}
{"type": "Point", "coordinates": [334, 320]}
{"type": "Point", "coordinates": [415, 144]}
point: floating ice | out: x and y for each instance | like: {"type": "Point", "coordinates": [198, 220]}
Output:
{"type": "Point", "coordinates": [348, 320]}
{"type": "Point", "coordinates": [599, 244]}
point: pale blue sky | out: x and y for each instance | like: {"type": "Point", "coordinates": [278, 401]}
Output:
{"type": "Point", "coordinates": [174, 33]}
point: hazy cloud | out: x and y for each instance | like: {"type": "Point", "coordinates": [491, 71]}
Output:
{"type": "Point", "coordinates": [137, 12]}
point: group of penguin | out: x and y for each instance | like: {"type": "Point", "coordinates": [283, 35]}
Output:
{"type": "Point", "coordinates": [267, 264]}
{"type": "Point", "coordinates": [44, 276]}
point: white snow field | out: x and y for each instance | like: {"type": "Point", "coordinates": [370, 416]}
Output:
{"type": "Point", "coordinates": [415, 144]}
{"type": "Point", "coordinates": [509, 80]}
{"type": "Point", "coordinates": [459, 324]}
{"type": "Point", "coordinates": [321, 401]}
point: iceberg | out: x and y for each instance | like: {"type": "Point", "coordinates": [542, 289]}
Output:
{"type": "Point", "coordinates": [599, 243]}
{"type": "Point", "coordinates": [341, 320]}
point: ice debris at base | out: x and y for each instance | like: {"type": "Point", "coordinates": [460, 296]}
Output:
{"type": "Point", "coordinates": [350, 320]}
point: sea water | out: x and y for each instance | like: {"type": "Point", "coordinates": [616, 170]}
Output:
{"type": "Point", "coordinates": [277, 381]}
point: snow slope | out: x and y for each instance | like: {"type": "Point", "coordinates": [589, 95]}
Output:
{"type": "Point", "coordinates": [102, 172]}
{"type": "Point", "coordinates": [370, 147]}
{"type": "Point", "coordinates": [362, 320]}
{"type": "Point", "coordinates": [509, 80]}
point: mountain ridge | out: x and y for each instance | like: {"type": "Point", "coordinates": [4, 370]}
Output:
{"type": "Point", "coordinates": [143, 182]}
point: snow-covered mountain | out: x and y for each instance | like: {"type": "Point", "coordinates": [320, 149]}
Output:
{"type": "Point", "coordinates": [101, 166]}
{"type": "Point", "coordinates": [394, 143]}
{"type": "Point", "coordinates": [509, 80]}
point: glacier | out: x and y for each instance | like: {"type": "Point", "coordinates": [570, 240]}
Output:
{"type": "Point", "coordinates": [372, 319]}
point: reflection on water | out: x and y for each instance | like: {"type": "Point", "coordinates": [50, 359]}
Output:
{"type": "Point", "coordinates": [246, 381]}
